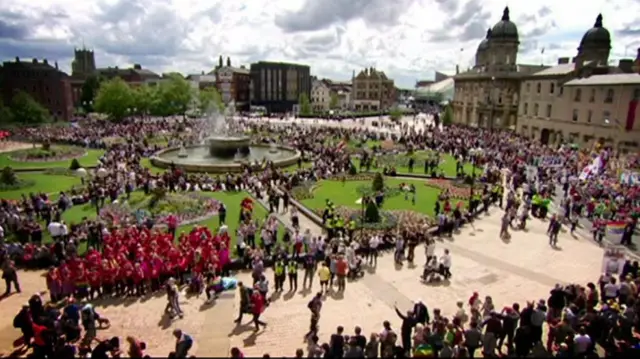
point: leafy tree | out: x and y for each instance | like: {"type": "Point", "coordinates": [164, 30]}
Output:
{"type": "Point", "coordinates": [371, 212]}
{"type": "Point", "coordinates": [8, 176]}
{"type": "Point", "coordinates": [89, 91]}
{"type": "Point", "coordinates": [144, 98]}
{"type": "Point", "coordinates": [176, 92]}
{"type": "Point", "coordinates": [114, 98]}
{"type": "Point", "coordinates": [447, 117]}
{"type": "Point", "coordinates": [395, 114]}
{"type": "Point", "coordinates": [26, 110]}
{"type": "Point", "coordinates": [210, 97]}
{"type": "Point", "coordinates": [6, 115]}
{"type": "Point", "coordinates": [74, 164]}
{"type": "Point", "coordinates": [334, 102]}
{"type": "Point", "coordinates": [378, 183]}
{"type": "Point", "coordinates": [305, 105]}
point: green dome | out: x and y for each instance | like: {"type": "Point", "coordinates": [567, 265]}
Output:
{"type": "Point", "coordinates": [597, 36]}
{"type": "Point", "coordinates": [505, 29]}
{"type": "Point", "coordinates": [484, 44]}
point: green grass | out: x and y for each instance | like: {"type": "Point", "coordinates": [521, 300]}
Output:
{"type": "Point", "coordinates": [346, 194]}
{"type": "Point", "coordinates": [89, 159]}
{"type": "Point", "coordinates": [447, 164]}
{"type": "Point", "coordinates": [232, 201]}
{"type": "Point", "coordinates": [51, 184]}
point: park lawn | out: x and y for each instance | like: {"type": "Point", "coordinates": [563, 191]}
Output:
{"type": "Point", "coordinates": [447, 164]}
{"type": "Point", "coordinates": [89, 159]}
{"type": "Point", "coordinates": [346, 194]}
{"type": "Point", "coordinates": [45, 183]}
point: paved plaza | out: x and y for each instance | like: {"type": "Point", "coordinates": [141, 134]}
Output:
{"type": "Point", "coordinates": [524, 269]}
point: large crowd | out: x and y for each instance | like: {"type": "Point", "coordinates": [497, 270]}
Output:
{"type": "Point", "coordinates": [136, 259]}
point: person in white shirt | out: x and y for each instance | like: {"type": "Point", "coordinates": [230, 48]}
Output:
{"type": "Point", "coordinates": [55, 230]}
{"type": "Point", "coordinates": [582, 341]}
{"type": "Point", "coordinates": [611, 289]}
{"type": "Point", "coordinates": [445, 264]}
{"type": "Point", "coordinates": [374, 242]}
{"type": "Point", "coordinates": [429, 248]}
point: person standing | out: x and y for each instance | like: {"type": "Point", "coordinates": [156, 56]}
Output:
{"type": "Point", "coordinates": [257, 308]}
{"type": "Point", "coordinates": [10, 276]}
{"type": "Point", "coordinates": [292, 272]}
{"type": "Point", "coordinates": [184, 342]}
{"type": "Point", "coordinates": [309, 270]}
{"type": "Point", "coordinates": [341, 270]}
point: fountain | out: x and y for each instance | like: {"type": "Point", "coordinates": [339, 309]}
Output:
{"type": "Point", "coordinates": [224, 148]}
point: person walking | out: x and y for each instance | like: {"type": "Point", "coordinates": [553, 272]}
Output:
{"type": "Point", "coordinates": [10, 276]}
{"type": "Point", "coordinates": [257, 308]}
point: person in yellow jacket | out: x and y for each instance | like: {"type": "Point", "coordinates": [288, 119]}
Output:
{"type": "Point", "coordinates": [279, 274]}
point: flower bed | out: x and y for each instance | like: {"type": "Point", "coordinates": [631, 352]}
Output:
{"type": "Point", "coordinates": [303, 191]}
{"type": "Point", "coordinates": [367, 191]}
{"type": "Point", "coordinates": [390, 220]}
{"type": "Point", "coordinates": [456, 189]}
{"type": "Point", "coordinates": [52, 154]}
{"type": "Point", "coordinates": [9, 181]}
{"type": "Point", "coordinates": [400, 160]}
{"type": "Point", "coordinates": [186, 207]}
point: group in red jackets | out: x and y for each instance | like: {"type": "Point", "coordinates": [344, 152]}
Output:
{"type": "Point", "coordinates": [137, 260]}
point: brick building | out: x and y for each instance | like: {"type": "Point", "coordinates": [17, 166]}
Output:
{"type": "Point", "coordinates": [372, 90]}
{"type": "Point", "coordinates": [233, 84]}
{"type": "Point", "coordinates": [45, 83]}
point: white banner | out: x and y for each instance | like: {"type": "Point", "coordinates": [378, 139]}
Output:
{"type": "Point", "coordinates": [613, 259]}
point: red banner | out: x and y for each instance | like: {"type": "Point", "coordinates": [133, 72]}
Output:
{"type": "Point", "coordinates": [631, 115]}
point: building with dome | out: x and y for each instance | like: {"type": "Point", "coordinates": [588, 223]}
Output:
{"type": "Point", "coordinates": [487, 95]}
{"type": "Point", "coordinates": [583, 100]}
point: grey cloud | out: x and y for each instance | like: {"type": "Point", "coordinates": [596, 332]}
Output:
{"type": "Point", "coordinates": [12, 31]}
{"type": "Point", "coordinates": [470, 23]}
{"type": "Point", "coordinates": [448, 6]}
{"type": "Point", "coordinates": [317, 15]}
{"type": "Point", "coordinates": [544, 11]}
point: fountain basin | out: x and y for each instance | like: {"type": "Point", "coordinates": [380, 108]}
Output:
{"type": "Point", "coordinates": [228, 147]}
{"type": "Point", "coordinates": [200, 159]}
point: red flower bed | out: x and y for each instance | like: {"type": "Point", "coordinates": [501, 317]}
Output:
{"type": "Point", "coordinates": [455, 190]}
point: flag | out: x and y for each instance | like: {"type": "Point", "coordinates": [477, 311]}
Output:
{"type": "Point", "coordinates": [615, 227]}
{"type": "Point", "coordinates": [542, 51]}
{"type": "Point", "coordinates": [423, 351]}
{"type": "Point", "coordinates": [342, 145]}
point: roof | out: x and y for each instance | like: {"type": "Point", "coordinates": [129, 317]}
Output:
{"type": "Point", "coordinates": [557, 70]}
{"type": "Point", "coordinates": [479, 73]}
{"type": "Point", "coordinates": [505, 29]}
{"type": "Point", "coordinates": [440, 86]}
{"type": "Point", "coordinates": [603, 80]}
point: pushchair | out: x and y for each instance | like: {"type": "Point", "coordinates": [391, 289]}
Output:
{"type": "Point", "coordinates": [355, 269]}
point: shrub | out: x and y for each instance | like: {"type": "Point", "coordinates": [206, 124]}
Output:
{"type": "Point", "coordinates": [8, 177]}
{"type": "Point", "coordinates": [352, 170]}
{"type": "Point", "coordinates": [46, 145]}
{"type": "Point", "coordinates": [74, 164]}
{"type": "Point", "coordinates": [371, 213]}
{"type": "Point", "coordinates": [378, 182]}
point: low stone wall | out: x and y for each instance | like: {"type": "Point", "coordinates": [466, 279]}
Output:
{"type": "Point", "coordinates": [160, 162]}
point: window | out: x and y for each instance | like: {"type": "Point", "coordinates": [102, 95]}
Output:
{"type": "Point", "coordinates": [538, 87]}
{"type": "Point", "coordinates": [561, 91]}
{"type": "Point", "coordinates": [606, 117]}
{"type": "Point", "coordinates": [535, 109]}
{"type": "Point", "coordinates": [609, 97]}
{"type": "Point", "coordinates": [578, 95]}
{"type": "Point", "coordinates": [552, 88]}
{"type": "Point", "coordinates": [525, 108]}
{"type": "Point", "coordinates": [636, 94]}
{"type": "Point", "coordinates": [575, 116]}
{"type": "Point", "coordinates": [548, 111]}
{"type": "Point", "coordinates": [589, 116]}
{"type": "Point", "coordinates": [528, 87]}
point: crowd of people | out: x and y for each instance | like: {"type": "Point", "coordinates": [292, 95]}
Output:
{"type": "Point", "coordinates": [134, 260]}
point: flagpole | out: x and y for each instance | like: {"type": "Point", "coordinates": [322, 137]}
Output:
{"type": "Point", "coordinates": [542, 56]}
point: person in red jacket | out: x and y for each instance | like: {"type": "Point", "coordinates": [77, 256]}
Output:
{"type": "Point", "coordinates": [138, 279]}
{"type": "Point", "coordinates": [257, 307]}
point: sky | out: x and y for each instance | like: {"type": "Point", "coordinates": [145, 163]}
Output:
{"type": "Point", "coordinates": [407, 39]}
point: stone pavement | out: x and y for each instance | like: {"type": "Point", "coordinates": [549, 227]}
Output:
{"type": "Point", "coordinates": [526, 268]}
{"type": "Point", "coordinates": [285, 217]}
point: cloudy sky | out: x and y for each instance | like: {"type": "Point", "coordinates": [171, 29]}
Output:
{"type": "Point", "coordinates": [408, 39]}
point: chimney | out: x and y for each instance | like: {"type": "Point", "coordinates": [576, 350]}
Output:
{"type": "Point", "coordinates": [17, 59]}
{"type": "Point", "coordinates": [202, 73]}
{"type": "Point", "coordinates": [56, 65]}
{"type": "Point", "coordinates": [45, 62]}
{"type": "Point", "coordinates": [626, 65]}
{"type": "Point", "coordinates": [35, 61]}
{"type": "Point", "coordinates": [457, 69]}
{"type": "Point", "coordinates": [563, 60]}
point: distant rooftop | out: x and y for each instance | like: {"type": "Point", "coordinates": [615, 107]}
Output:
{"type": "Point", "coordinates": [556, 70]}
{"type": "Point", "coordinates": [603, 80]}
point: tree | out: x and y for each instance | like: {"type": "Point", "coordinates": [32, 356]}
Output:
{"type": "Point", "coordinates": [395, 114]}
{"type": "Point", "coordinates": [89, 91]}
{"type": "Point", "coordinates": [304, 104]}
{"type": "Point", "coordinates": [447, 117]}
{"type": "Point", "coordinates": [26, 110]}
{"type": "Point", "coordinates": [176, 92]}
{"type": "Point", "coordinates": [378, 183]}
{"type": "Point", "coordinates": [114, 98]}
{"type": "Point", "coordinates": [8, 176]}
{"type": "Point", "coordinates": [209, 97]}
{"type": "Point", "coordinates": [144, 98]}
{"type": "Point", "coordinates": [334, 102]}
{"type": "Point", "coordinates": [6, 116]}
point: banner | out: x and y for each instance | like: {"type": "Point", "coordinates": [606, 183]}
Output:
{"type": "Point", "coordinates": [631, 115]}
{"type": "Point", "coordinates": [551, 161]}
{"type": "Point", "coordinates": [613, 259]}
{"type": "Point", "coordinates": [630, 178]}
{"type": "Point", "coordinates": [616, 227]}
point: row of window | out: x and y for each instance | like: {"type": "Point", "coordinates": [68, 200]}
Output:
{"type": "Point", "coordinates": [606, 116]}
{"type": "Point", "coordinates": [577, 95]}
{"type": "Point", "coordinates": [536, 109]}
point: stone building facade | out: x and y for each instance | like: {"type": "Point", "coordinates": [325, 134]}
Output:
{"type": "Point", "coordinates": [584, 100]}
{"type": "Point", "coordinates": [372, 90]}
{"type": "Point", "coordinates": [488, 94]}
{"type": "Point", "coordinates": [320, 95]}
{"type": "Point", "coordinates": [233, 84]}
